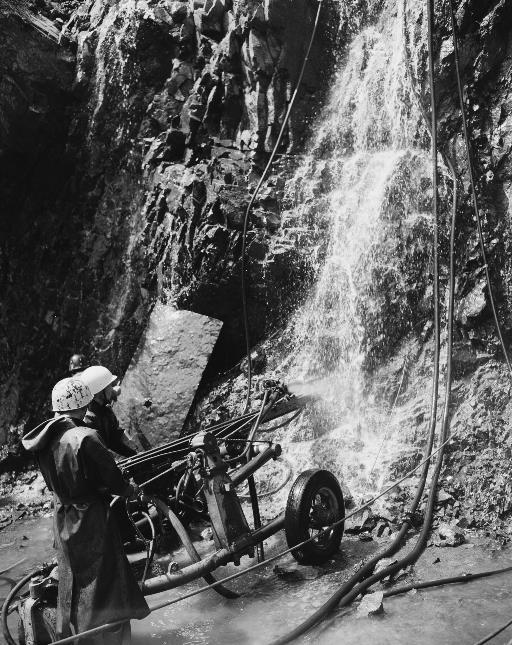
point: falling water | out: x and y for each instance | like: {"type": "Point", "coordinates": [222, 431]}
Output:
{"type": "Point", "coordinates": [364, 170]}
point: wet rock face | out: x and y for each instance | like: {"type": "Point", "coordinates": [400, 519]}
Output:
{"type": "Point", "coordinates": [162, 378]}
{"type": "Point", "coordinates": [129, 174]}
{"type": "Point", "coordinates": [188, 99]}
{"type": "Point", "coordinates": [484, 47]}
{"type": "Point", "coordinates": [136, 182]}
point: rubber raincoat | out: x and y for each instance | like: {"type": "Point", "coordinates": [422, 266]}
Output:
{"type": "Point", "coordinates": [104, 421]}
{"type": "Point", "coordinates": [96, 584]}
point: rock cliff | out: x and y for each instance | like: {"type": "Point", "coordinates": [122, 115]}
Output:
{"type": "Point", "coordinates": [128, 152]}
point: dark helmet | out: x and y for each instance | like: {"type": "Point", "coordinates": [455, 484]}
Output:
{"type": "Point", "coordinates": [77, 363]}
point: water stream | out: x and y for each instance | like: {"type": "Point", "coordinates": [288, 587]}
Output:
{"type": "Point", "coordinates": [357, 195]}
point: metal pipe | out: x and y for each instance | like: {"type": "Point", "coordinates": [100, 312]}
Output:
{"type": "Point", "coordinates": [243, 473]}
{"type": "Point", "coordinates": [190, 548]}
{"type": "Point", "coordinates": [211, 562]}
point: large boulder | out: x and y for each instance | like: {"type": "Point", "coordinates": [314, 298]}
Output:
{"type": "Point", "coordinates": [163, 376]}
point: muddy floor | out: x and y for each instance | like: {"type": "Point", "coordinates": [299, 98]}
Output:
{"type": "Point", "coordinates": [278, 597]}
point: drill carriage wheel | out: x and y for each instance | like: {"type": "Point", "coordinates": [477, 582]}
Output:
{"type": "Point", "coordinates": [315, 501]}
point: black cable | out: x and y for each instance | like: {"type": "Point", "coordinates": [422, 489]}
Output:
{"type": "Point", "coordinates": [466, 577]}
{"type": "Point", "coordinates": [151, 555]}
{"type": "Point", "coordinates": [495, 633]}
{"type": "Point", "coordinates": [473, 189]}
{"type": "Point", "coordinates": [148, 544]}
{"type": "Point", "coordinates": [285, 423]}
{"type": "Point", "coordinates": [172, 446]}
{"type": "Point", "coordinates": [245, 315]}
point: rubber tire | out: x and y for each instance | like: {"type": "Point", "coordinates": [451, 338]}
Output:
{"type": "Point", "coordinates": [297, 512]}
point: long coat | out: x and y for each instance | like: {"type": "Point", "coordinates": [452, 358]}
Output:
{"type": "Point", "coordinates": [96, 584]}
{"type": "Point", "coordinates": [104, 421]}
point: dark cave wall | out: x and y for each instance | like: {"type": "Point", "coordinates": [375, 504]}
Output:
{"type": "Point", "coordinates": [129, 153]}
{"type": "Point", "coordinates": [35, 170]}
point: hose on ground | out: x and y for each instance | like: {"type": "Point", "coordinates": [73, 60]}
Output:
{"type": "Point", "coordinates": [495, 633]}
{"type": "Point", "coordinates": [439, 582]}
{"type": "Point", "coordinates": [245, 313]}
{"type": "Point", "coordinates": [11, 566]}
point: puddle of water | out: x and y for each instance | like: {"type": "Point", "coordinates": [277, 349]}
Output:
{"type": "Point", "coordinates": [272, 606]}
{"type": "Point", "coordinates": [273, 603]}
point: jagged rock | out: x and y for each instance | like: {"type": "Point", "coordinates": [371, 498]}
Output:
{"type": "Point", "coordinates": [443, 497]}
{"type": "Point", "coordinates": [161, 381]}
{"type": "Point", "coordinates": [472, 305]}
{"type": "Point", "coordinates": [371, 605]}
{"type": "Point", "coordinates": [385, 562]}
{"type": "Point", "coordinates": [449, 535]}
{"type": "Point", "coordinates": [212, 16]}
{"type": "Point", "coordinates": [466, 359]}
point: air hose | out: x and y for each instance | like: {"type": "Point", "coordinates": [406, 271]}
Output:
{"type": "Point", "coordinates": [245, 314]}
{"type": "Point", "coordinates": [439, 582]}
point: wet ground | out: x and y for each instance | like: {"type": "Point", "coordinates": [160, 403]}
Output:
{"type": "Point", "coordinates": [275, 600]}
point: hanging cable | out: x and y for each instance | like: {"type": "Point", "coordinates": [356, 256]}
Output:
{"type": "Point", "coordinates": [473, 188]}
{"type": "Point", "coordinates": [245, 315]}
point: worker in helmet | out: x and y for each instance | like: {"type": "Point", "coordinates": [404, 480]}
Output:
{"type": "Point", "coordinates": [100, 415]}
{"type": "Point", "coordinates": [77, 364]}
{"type": "Point", "coordinates": [96, 584]}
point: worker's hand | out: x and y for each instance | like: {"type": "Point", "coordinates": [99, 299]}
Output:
{"type": "Point", "coordinates": [138, 493]}
{"type": "Point", "coordinates": [145, 499]}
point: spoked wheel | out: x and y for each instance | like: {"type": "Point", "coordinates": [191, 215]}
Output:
{"type": "Point", "coordinates": [315, 502]}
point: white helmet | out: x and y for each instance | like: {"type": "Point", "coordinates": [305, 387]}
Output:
{"type": "Point", "coordinates": [97, 378]}
{"type": "Point", "coordinates": [70, 394]}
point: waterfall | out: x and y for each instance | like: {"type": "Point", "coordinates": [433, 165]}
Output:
{"type": "Point", "coordinates": [356, 197]}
